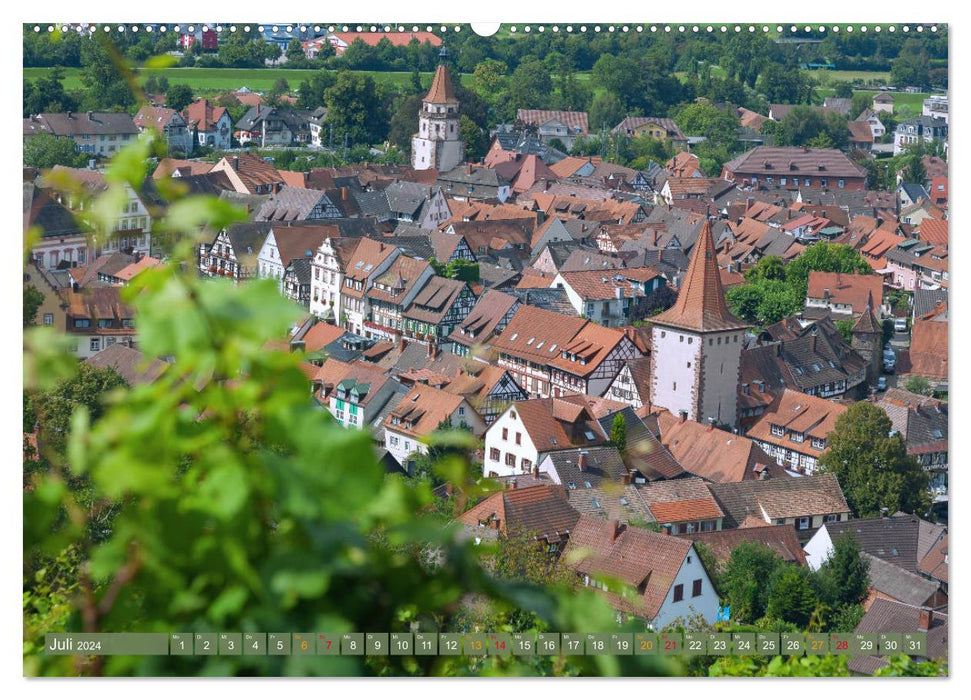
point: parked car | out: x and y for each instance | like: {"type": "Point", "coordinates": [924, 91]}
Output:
{"type": "Point", "coordinates": [900, 325]}
{"type": "Point", "coordinates": [889, 367]}
{"type": "Point", "coordinates": [882, 384]}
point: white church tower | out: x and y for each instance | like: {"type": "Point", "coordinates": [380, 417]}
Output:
{"type": "Point", "coordinates": [697, 345]}
{"type": "Point", "coordinates": [438, 143]}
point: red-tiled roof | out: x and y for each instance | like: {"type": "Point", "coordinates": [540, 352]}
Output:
{"type": "Point", "coordinates": [701, 304]}
{"type": "Point", "coordinates": [928, 349]}
{"type": "Point", "coordinates": [441, 91]}
{"type": "Point", "coordinates": [634, 556]}
{"type": "Point", "coordinates": [846, 288]}
{"type": "Point", "coordinates": [543, 510]}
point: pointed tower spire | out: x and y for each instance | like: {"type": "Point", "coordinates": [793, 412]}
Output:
{"type": "Point", "coordinates": [441, 91]}
{"type": "Point", "coordinates": [701, 302]}
{"type": "Point", "coordinates": [867, 322]}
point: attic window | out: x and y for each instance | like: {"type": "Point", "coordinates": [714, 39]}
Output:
{"type": "Point", "coordinates": [552, 347]}
{"type": "Point", "coordinates": [623, 501]}
{"type": "Point", "coordinates": [540, 344]}
{"type": "Point", "coordinates": [590, 436]}
{"type": "Point", "coordinates": [368, 267]}
{"type": "Point", "coordinates": [938, 434]}
{"type": "Point", "coordinates": [530, 341]}
{"type": "Point", "coordinates": [595, 503]}
{"type": "Point", "coordinates": [571, 485]}
{"type": "Point", "coordinates": [514, 336]}
{"type": "Point", "coordinates": [360, 264]}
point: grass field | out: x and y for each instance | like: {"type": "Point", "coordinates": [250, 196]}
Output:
{"type": "Point", "coordinates": [210, 81]}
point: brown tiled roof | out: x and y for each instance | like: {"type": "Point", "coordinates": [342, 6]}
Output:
{"type": "Point", "coordinates": [129, 363]}
{"type": "Point", "coordinates": [144, 263]}
{"type": "Point", "coordinates": [846, 288]}
{"type": "Point", "coordinates": [203, 115]}
{"type": "Point", "coordinates": [422, 408]}
{"type": "Point", "coordinates": [396, 38]}
{"type": "Point", "coordinates": [293, 242]}
{"type": "Point", "coordinates": [899, 584]}
{"type": "Point", "coordinates": [157, 118]}
{"type": "Point", "coordinates": [569, 165]}
{"type": "Point", "coordinates": [634, 556]}
{"type": "Point", "coordinates": [782, 498]}
{"type": "Point", "coordinates": [860, 132]}
{"type": "Point", "coordinates": [80, 123]}
{"type": "Point", "coordinates": [320, 335]}
{"type": "Point", "coordinates": [701, 304]}
{"type": "Point", "coordinates": [784, 160]}
{"type": "Point", "coordinates": [929, 349]}
{"type": "Point", "coordinates": [598, 285]}
{"type": "Point", "coordinates": [548, 329]}
{"type": "Point", "coordinates": [167, 166]}
{"type": "Point", "coordinates": [801, 413]}
{"type": "Point", "coordinates": [543, 510]}
{"type": "Point", "coordinates": [933, 231]}
{"type": "Point", "coordinates": [99, 303]}
{"type": "Point", "coordinates": [576, 121]}
{"type": "Point", "coordinates": [889, 616]}
{"type": "Point", "coordinates": [559, 423]}
{"type": "Point", "coordinates": [435, 299]}
{"type": "Point", "coordinates": [368, 252]}
{"type": "Point", "coordinates": [484, 317]}
{"type": "Point", "coordinates": [781, 539]}
{"type": "Point", "coordinates": [867, 323]}
{"type": "Point", "coordinates": [684, 164]}
{"type": "Point", "coordinates": [441, 91]}
{"type": "Point", "coordinates": [253, 171]}
{"type": "Point", "coordinates": [593, 343]}
{"type": "Point", "coordinates": [935, 562]}
{"type": "Point", "coordinates": [688, 510]}
{"type": "Point", "coordinates": [524, 171]}
{"type": "Point", "coordinates": [404, 271]}
{"type": "Point", "coordinates": [713, 454]}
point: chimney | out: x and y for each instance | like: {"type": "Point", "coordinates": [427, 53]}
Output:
{"type": "Point", "coordinates": [812, 342]}
{"type": "Point", "coordinates": [535, 471]}
{"type": "Point", "coordinates": [90, 116]}
{"type": "Point", "coordinates": [924, 621]}
{"type": "Point", "coordinates": [343, 194]}
{"type": "Point", "coordinates": [70, 115]}
{"type": "Point", "coordinates": [235, 162]}
{"type": "Point", "coordinates": [749, 201]}
{"type": "Point", "coordinates": [682, 416]}
{"type": "Point", "coordinates": [711, 424]}
{"type": "Point", "coordinates": [883, 512]}
{"type": "Point", "coordinates": [512, 484]}
{"type": "Point", "coordinates": [402, 344]}
{"type": "Point", "coordinates": [470, 168]}
{"type": "Point", "coordinates": [615, 529]}
{"type": "Point", "coordinates": [582, 461]}
{"type": "Point", "coordinates": [494, 523]}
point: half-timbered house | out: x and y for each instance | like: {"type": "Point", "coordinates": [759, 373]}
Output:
{"type": "Point", "coordinates": [437, 308]}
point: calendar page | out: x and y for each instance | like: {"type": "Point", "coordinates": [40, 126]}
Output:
{"type": "Point", "coordinates": [420, 349]}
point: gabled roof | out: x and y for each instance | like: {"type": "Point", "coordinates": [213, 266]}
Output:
{"type": "Point", "coordinates": [701, 304]}
{"type": "Point", "coordinates": [575, 121]}
{"type": "Point", "coordinates": [776, 160]}
{"type": "Point", "coordinates": [542, 510]}
{"type": "Point", "coordinates": [157, 118]}
{"type": "Point", "coordinates": [435, 298]}
{"type": "Point", "coordinates": [714, 454]}
{"type": "Point", "coordinates": [898, 583]}
{"type": "Point", "coordinates": [892, 617]}
{"type": "Point", "coordinates": [935, 562]}
{"type": "Point", "coordinates": [642, 559]}
{"type": "Point", "coordinates": [80, 123]}
{"type": "Point", "coordinates": [602, 464]}
{"type": "Point", "coordinates": [811, 416]}
{"type": "Point", "coordinates": [294, 242]}
{"type": "Point", "coordinates": [203, 115]}
{"type": "Point", "coordinates": [781, 539]}
{"type": "Point", "coordinates": [560, 423]}
{"type": "Point", "coordinates": [844, 288]}
{"type": "Point", "coordinates": [477, 327]}
{"type": "Point", "coordinates": [680, 500]}
{"type": "Point", "coordinates": [129, 363]}
{"type": "Point", "coordinates": [773, 498]}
